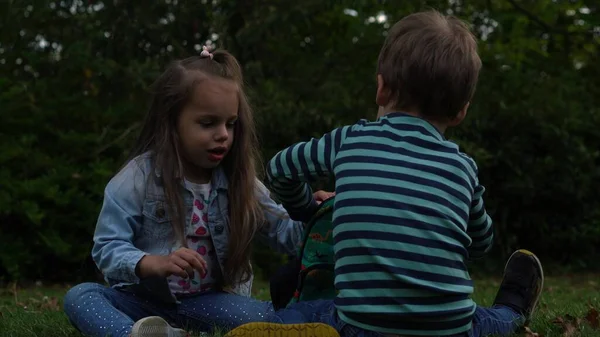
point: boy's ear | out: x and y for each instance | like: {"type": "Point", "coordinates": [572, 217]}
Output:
{"type": "Point", "coordinates": [383, 96]}
{"type": "Point", "coordinates": [460, 116]}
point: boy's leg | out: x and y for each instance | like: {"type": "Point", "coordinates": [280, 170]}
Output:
{"type": "Point", "coordinates": [516, 299]}
{"type": "Point", "coordinates": [221, 310]}
{"type": "Point", "coordinates": [496, 320]}
{"type": "Point", "coordinates": [318, 311]}
{"type": "Point", "coordinates": [97, 310]}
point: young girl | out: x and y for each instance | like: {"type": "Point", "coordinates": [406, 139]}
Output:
{"type": "Point", "coordinates": [174, 234]}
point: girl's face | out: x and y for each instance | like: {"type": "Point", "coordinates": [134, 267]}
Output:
{"type": "Point", "coordinates": [206, 126]}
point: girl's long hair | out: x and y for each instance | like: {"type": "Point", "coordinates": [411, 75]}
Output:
{"type": "Point", "coordinates": [171, 92]}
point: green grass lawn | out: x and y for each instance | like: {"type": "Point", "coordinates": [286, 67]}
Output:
{"type": "Point", "coordinates": [565, 303]}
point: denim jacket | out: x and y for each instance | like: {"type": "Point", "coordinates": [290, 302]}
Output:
{"type": "Point", "coordinates": [134, 221]}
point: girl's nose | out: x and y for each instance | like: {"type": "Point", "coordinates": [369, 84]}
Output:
{"type": "Point", "coordinates": [222, 134]}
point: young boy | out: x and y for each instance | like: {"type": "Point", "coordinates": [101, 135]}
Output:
{"type": "Point", "coordinates": [409, 212]}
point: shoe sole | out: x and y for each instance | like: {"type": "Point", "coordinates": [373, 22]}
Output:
{"type": "Point", "coordinates": [539, 265]}
{"type": "Point", "coordinates": [283, 330]}
{"type": "Point", "coordinates": [155, 326]}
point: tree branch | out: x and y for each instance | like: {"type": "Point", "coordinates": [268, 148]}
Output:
{"type": "Point", "coordinates": [547, 27]}
{"type": "Point", "coordinates": [118, 139]}
{"type": "Point", "coordinates": [531, 16]}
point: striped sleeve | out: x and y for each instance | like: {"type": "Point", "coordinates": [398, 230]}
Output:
{"type": "Point", "coordinates": [290, 171]}
{"type": "Point", "coordinates": [480, 227]}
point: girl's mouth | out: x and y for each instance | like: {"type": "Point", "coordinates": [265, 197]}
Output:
{"type": "Point", "coordinates": [217, 154]}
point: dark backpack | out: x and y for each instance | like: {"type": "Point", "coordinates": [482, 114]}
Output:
{"type": "Point", "coordinates": [311, 275]}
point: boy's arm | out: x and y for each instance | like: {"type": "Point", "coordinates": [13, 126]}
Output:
{"type": "Point", "coordinates": [480, 227]}
{"type": "Point", "coordinates": [291, 169]}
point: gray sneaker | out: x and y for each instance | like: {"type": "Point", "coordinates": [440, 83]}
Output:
{"type": "Point", "coordinates": [155, 326]}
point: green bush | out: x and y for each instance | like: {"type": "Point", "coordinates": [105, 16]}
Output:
{"type": "Point", "coordinates": [538, 156]}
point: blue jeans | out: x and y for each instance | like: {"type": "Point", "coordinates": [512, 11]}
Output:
{"type": "Point", "coordinates": [498, 320]}
{"type": "Point", "coordinates": [97, 310]}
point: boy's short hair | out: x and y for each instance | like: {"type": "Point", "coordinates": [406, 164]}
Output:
{"type": "Point", "coordinates": [430, 63]}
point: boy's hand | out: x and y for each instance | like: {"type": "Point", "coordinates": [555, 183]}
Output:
{"type": "Point", "coordinates": [321, 196]}
{"type": "Point", "coordinates": [181, 262]}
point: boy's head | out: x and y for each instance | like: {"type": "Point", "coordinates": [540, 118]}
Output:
{"type": "Point", "coordinates": [428, 65]}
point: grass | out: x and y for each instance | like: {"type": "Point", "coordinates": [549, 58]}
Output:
{"type": "Point", "coordinates": [37, 311]}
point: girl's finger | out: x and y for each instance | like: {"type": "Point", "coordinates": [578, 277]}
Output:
{"type": "Point", "coordinates": [199, 257]}
{"type": "Point", "coordinates": [195, 260]}
{"type": "Point", "coordinates": [200, 260]}
{"type": "Point", "coordinates": [187, 254]}
{"type": "Point", "coordinates": [174, 269]}
{"type": "Point", "coordinates": [183, 264]}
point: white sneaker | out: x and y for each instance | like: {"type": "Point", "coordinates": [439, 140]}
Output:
{"type": "Point", "coordinates": [155, 326]}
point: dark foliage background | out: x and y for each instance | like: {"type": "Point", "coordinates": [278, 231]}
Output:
{"type": "Point", "coordinates": [73, 89]}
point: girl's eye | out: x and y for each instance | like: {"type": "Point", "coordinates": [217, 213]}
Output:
{"type": "Point", "coordinates": [231, 124]}
{"type": "Point", "coordinates": [205, 123]}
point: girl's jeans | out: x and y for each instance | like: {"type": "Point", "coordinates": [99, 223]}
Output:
{"type": "Point", "coordinates": [99, 311]}
{"type": "Point", "coordinates": [498, 320]}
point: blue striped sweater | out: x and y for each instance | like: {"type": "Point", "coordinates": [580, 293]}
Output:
{"type": "Point", "coordinates": [408, 215]}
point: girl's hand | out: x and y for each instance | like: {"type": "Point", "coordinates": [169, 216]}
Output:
{"type": "Point", "coordinates": [321, 196]}
{"type": "Point", "coordinates": [181, 262]}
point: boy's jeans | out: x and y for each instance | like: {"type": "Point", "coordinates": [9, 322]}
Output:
{"type": "Point", "coordinates": [97, 310]}
{"type": "Point", "coordinates": [497, 320]}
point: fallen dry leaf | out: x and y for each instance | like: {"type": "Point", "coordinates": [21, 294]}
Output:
{"type": "Point", "coordinates": [570, 330]}
{"type": "Point", "coordinates": [575, 320]}
{"type": "Point", "coordinates": [569, 324]}
{"type": "Point", "coordinates": [593, 318]}
{"type": "Point", "coordinates": [50, 304]}
{"type": "Point", "coordinates": [529, 333]}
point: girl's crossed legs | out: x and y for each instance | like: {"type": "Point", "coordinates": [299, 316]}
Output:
{"type": "Point", "coordinates": [99, 311]}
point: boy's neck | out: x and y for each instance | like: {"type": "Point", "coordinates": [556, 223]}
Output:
{"type": "Point", "coordinates": [441, 127]}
